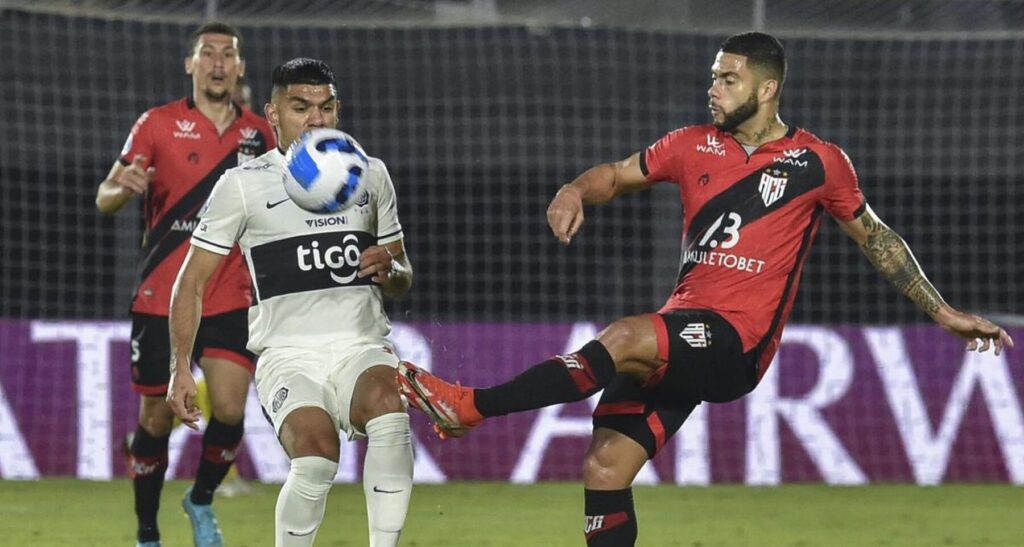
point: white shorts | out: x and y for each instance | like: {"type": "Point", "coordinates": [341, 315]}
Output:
{"type": "Point", "coordinates": [288, 378]}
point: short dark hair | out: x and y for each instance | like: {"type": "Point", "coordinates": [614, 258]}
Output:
{"type": "Point", "coordinates": [763, 51]}
{"type": "Point", "coordinates": [302, 70]}
{"type": "Point", "coordinates": [214, 27]}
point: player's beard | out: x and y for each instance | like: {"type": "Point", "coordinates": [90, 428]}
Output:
{"type": "Point", "coordinates": [742, 113]}
{"type": "Point", "coordinates": [216, 96]}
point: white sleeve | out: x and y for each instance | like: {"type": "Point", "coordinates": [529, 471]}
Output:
{"type": "Point", "coordinates": [222, 218]}
{"type": "Point", "coordinates": [388, 227]}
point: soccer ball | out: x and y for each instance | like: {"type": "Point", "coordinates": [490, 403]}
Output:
{"type": "Point", "coordinates": [324, 170]}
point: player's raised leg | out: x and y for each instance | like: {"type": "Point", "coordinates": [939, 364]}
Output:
{"type": "Point", "coordinates": [628, 346]}
{"type": "Point", "coordinates": [377, 410]}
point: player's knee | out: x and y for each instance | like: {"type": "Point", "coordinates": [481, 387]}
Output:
{"type": "Point", "coordinates": [156, 416]}
{"type": "Point", "coordinates": [602, 470]}
{"type": "Point", "coordinates": [316, 444]}
{"type": "Point", "coordinates": [629, 340]}
{"type": "Point", "coordinates": [391, 429]}
{"type": "Point", "coordinates": [312, 476]}
{"type": "Point", "coordinates": [310, 432]}
{"type": "Point", "coordinates": [230, 412]}
{"type": "Point", "coordinates": [376, 395]}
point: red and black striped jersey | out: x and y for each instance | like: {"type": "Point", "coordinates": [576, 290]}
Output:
{"type": "Point", "coordinates": [188, 155]}
{"type": "Point", "coordinates": [749, 221]}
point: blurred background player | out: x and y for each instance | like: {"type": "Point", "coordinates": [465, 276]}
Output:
{"type": "Point", "coordinates": [753, 190]}
{"type": "Point", "coordinates": [173, 156]}
{"type": "Point", "coordinates": [321, 332]}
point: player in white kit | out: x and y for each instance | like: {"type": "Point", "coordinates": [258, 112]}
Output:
{"type": "Point", "coordinates": [318, 324]}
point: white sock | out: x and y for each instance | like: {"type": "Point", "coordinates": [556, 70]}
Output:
{"type": "Point", "coordinates": [303, 498]}
{"type": "Point", "coordinates": [387, 477]}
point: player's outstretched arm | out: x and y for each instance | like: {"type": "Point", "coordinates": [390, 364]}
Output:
{"type": "Point", "coordinates": [185, 313]}
{"type": "Point", "coordinates": [122, 184]}
{"type": "Point", "coordinates": [891, 256]}
{"type": "Point", "coordinates": [599, 184]}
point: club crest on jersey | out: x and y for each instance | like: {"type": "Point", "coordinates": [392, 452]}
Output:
{"type": "Point", "coordinates": [697, 335]}
{"type": "Point", "coordinates": [186, 130]}
{"type": "Point", "coordinates": [249, 145]}
{"type": "Point", "coordinates": [773, 185]}
{"type": "Point", "coordinates": [362, 200]}
{"type": "Point", "coordinates": [714, 146]}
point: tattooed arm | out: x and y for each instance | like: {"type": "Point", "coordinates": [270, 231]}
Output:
{"type": "Point", "coordinates": [891, 256]}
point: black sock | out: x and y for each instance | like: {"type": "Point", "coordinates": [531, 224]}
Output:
{"type": "Point", "coordinates": [147, 466]}
{"type": "Point", "coordinates": [220, 444]}
{"type": "Point", "coordinates": [611, 520]}
{"type": "Point", "coordinates": [561, 379]}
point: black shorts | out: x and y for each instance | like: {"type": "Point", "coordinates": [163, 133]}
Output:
{"type": "Point", "coordinates": [222, 336]}
{"type": "Point", "coordinates": [704, 361]}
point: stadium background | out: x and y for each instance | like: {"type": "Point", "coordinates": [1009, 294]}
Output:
{"type": "Point", "coordinates": [482, 109]}
{"type": "Point", "coordinates": [480, 123]}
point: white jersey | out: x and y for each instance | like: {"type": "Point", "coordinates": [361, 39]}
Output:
{"type": "Point", "coordinates": [303, 265]}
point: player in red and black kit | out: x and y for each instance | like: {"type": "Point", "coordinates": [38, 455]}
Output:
{"type": "Point", "coordinates": [753, 191]}
{"type": "Point", "coordinates": [174, 155]}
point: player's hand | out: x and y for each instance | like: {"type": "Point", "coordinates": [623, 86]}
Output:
{"type": "Point", "coordinates": [136, 177]}
{"type": "Point", "coordinates": [181, 396]}
{"type": "Point", "coordinates": [980, 333]}
{"type": "Point", "coordinates": [376, 261]}
{"type": "Point", "coordinates": [565, 213]}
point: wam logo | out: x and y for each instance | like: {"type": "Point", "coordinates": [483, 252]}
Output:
{"type": "Point", "coordinates": [792, 157]}
{"type": "Point", "coordinates": [713, 146]}
{"type": "Point", "coordinates": [248, 134]}
{"type": "Point", "coordinates": [186, 130]}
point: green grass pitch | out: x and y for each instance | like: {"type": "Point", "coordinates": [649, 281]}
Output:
{"type": "Point", "coordinates": [61, 512]}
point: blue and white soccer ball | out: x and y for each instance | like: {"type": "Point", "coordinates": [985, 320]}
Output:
{"type": "Point", "coordinates": [324, 170]}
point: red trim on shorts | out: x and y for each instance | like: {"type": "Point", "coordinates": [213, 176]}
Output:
{"type": "Point", "coordinates": [627, 407]}
{"type": "Point", "coordinates": [149, 390]}
{"type": "Point", "coordinates": [233, 356]}
{"type": "Point", "coordinates": [658, 429]}
{"type": "Point", "coordinates": [656, 377]}
{"type": "Point", "coordinates": [661, 331]}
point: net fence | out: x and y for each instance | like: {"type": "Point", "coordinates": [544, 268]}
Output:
{"type": "Point", "coordinates": [480, 125]}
